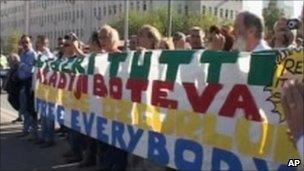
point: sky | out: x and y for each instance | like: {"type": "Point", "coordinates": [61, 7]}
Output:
{"type": "Point", "coordinates": [298, 5]}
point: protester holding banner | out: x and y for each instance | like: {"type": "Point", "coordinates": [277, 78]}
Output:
{"type": "Point", "coordinates": [179, 40]}
{"type": "Point", "coordinates": [111, 158]}
{"type": "Point", "coordinates": [76, 140]}
{"type": "Point", "coordinates": [148, 37]}
{"type": "Point", "coordinates": [216, 39]}
{"type": "Point", "coordinates": [196, 39]}
{"type": "Point", "coordinates": [90, 152]}
{"type": "Point", "coordinates": [248, 30]}
{"type": "Point", "coordinates": [25, 72]}
{"type": "Point", "coordinates": [47, 124]}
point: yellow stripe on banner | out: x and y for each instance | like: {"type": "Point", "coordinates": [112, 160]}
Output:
{"type": "Point", "coordinates": [272, 143]}
{"type": "Point", "coordinates": [62, 97]}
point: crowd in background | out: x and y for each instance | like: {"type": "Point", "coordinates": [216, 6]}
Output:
{"type": "Point", "coordinates": [246, 35]}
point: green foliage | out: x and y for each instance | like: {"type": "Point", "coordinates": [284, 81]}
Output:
{"type": "Point", "coordinates": [271, 14]}
{"type": "Point", "coordinates": [11, 46]}
{"type": "Point", "coordinates": [158, 18]}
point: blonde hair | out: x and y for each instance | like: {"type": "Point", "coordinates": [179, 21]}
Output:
{"type": "Point", "coordinates": [111, 32]}
{"type": "Point", "coordinates": [153, 34]}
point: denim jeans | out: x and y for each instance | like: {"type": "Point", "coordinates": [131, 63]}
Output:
{"type": "Point", "coordinates": [30, 121]}
{"type": "Point", "coordinates": [47, 128]}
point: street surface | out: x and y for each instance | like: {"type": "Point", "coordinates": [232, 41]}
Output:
{"type": "Point", "coordinates": [19, 154]}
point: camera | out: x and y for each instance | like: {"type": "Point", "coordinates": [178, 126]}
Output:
{"type": "Point", "coordinates": [293, 24]}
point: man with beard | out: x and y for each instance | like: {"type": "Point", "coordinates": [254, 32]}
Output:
{"type": "Point", "coordinates": [248, 30]}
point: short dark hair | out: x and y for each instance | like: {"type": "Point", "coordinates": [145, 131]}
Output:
{"type": "Point", "coordinates": [251, 20]}
{"type": "Point", "coordinates": [179, 36]}
{"type": "Point", "coordinates": [41, 38]}
{"type": "Point", "coordinates": [26, 35]}
{"type": "Point", "coordinates": [215, 29]}
{"type": "Point", "coordinates": [95, 38]}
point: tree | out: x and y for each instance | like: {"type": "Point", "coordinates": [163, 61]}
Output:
{"type": "Point", "coordinates": [11, 45]}
{"type": "Point", "coordinates": [271, 14]}
{"type": "Point", "coordinates": [158, 19]}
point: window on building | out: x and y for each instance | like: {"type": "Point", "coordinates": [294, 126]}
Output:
{"type": "Point", "coordinates": [144, 5]}
{"type": "Point", "coordinates": [81, 33]}
{"type": "Point", "coordinates": [120, 8]}
{"type": "Point", "coordinates": [65, 16]}
{"type": "Point", "coordinates": [179, 8]}
{"type": "Point", "coordinates": [73, 16]}
{"type": "Point", "coordinates": [186, 9]}
{"type": "Point", "coordinates": [215, 11]}
{"type": "Point", "coordinates": [109, 10]}
{"type": "Point", "coordinates": [231, 14]}
{"type": "Point", "coordinates": [204, 9]}
{"type": "Point", "coordinates": [226, 13]}
{"type": "Point", "coordinates": [81, 13]}
{"type": "Point", "coordinates": [221, 13]}
{"type": "Point", "coordinates": [77, 13]}
{"type": "Point", "coordinates": [210, 10]}
{"type": "Point", "coordinates": [94, 11]}
{"type": "Point", "coordinates": [104, 10]}
{"type": "Point", "coordinates": [138, 5]}
{"type": "Point", "coordinates": [132, 5]}
{"type": "Point", "coordinates": [114, 9]}
{"type": "Point", "coordinates": [77, 32]}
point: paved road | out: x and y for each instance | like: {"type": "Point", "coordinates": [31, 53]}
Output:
{"type": "Point", "coordinates": [18, 154]}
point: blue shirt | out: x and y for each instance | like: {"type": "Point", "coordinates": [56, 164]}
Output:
{"type": "Point", "coordinates": [27, 61]}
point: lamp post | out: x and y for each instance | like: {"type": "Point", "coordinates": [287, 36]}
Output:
{"type": "Point", "coordinates": [169, 19]}
{"type": "Point", "coordinates": [27, 13]}
{"type": "Point", "coordinates": [126, 26]}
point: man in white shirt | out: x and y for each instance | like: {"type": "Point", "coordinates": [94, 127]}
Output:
{"type": "Point", "coordinates": [248, 30]}
{"type": "Point", "coordinates": [47, 123]}
{"type": "Point", "coordinates": [43, 51]}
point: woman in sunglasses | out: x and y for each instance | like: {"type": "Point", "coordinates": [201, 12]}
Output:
{"type": "Point", "coordinates": [72, 47]}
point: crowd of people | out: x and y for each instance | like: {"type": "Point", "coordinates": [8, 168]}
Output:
{"type": "Point", "coordinates": [246, 35]}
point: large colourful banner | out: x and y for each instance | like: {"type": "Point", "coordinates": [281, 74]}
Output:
{"type": "Point", "coordinates": [189, 110]}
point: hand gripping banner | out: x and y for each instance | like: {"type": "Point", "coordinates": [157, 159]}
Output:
{"type": "Point", "coordinates": [189, 110]}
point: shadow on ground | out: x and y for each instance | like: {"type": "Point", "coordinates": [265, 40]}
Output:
{"type": "Point", "coordinates": [20, 154]}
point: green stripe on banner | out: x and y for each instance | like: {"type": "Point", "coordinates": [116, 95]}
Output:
{"type": "Point", "coordinates": [67, 65]}
{"type": "Point", "coordinates": [173, 59]}
{"type": "Point", "coordinates": [215, 60]}
{"type": "Point", "coordinates": [115, 59]}
{"type": "Point", "coordinates": [141, 72]}
{"type": "Point", "coordinates": [91, 65]}
{"type": "Point", "coordinates": [55, 64]}
{"type": "Point", "coordinates": [262, 68]}
{"type": "Point", "coordinates": [77, 68]}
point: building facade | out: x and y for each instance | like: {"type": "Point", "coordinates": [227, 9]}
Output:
{"type": "Point", "coordinates": [55, 18]}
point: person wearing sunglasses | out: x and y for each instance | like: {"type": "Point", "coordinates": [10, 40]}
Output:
{"type": "Point", "coordinates": [196, 39]}
{"type": "Point", "coordinates": [72, 46]}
